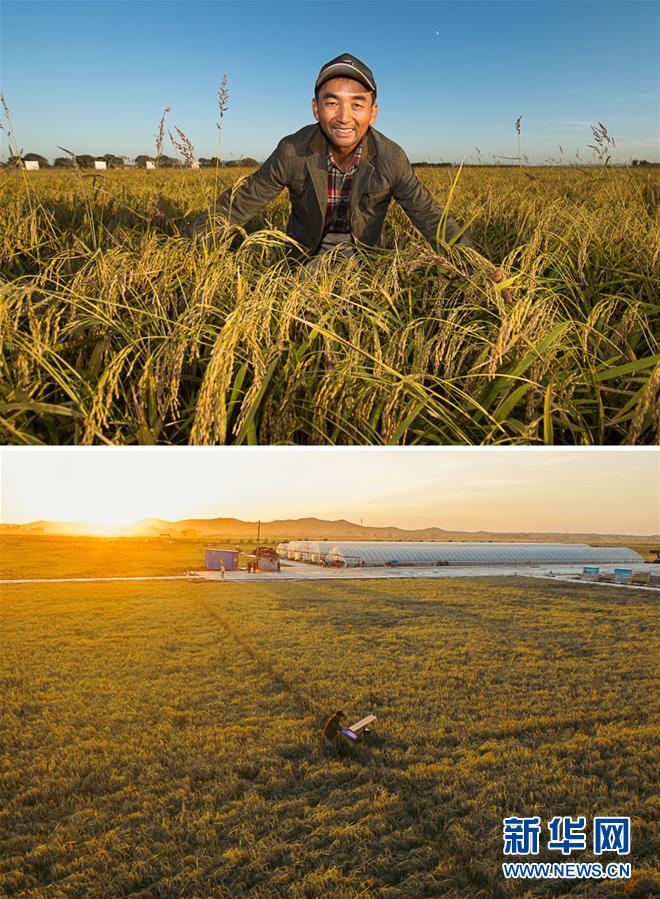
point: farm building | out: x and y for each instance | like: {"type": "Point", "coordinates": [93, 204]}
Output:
{"type": "Point", "coordinates": [267, 559]}
{"type": "Point", "coordinates": [215, 557]}
{"type": "Point", "coordinates": [351, 554]}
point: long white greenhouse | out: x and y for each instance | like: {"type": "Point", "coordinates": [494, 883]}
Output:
{"type": "Point", "coordinates": [351, 554]}
{"type": "Point", "coordinates": [306, 550]}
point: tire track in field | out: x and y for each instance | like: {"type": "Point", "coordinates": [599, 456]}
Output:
{"type": "Point", "coordinates": [263, 661]}
{"type": "Point", "coordinates": [386, 769]}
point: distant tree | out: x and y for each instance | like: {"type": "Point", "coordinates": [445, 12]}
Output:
{"type": "Point", "coordinates": [141, 160]}
{"type": "Point", "coordinates": [35, 157]}
{"type": "Point", "coordinates": [63, 162]}
{"type": "Point", "coordinates": [211, 162]}
{"type": "Point", "coordinates": [85, 161]}
{"type": "Point", "coordinates": [246, 163]}
{"type": "Point", "coordinates": [168, 162]}
{"type": "Point", "coordinates": [641, 162]}
{"type": "Point", "coordinates": [113, 162]}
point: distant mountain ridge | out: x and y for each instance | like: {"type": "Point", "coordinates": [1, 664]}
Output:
{"type": "Point", "coordinates": [297, 529]}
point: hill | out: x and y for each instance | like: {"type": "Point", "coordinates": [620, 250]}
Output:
{"type": "Point", "coordinates": [303, 529]}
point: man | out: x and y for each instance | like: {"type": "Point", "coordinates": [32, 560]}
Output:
{"type": "Point", "coordinates": [332, 730]}
{"type": "Point", "coordinates": [341, 175]}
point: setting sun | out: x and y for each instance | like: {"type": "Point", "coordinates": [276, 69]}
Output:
{"type": "Point", "coordinates": [463, 489]}
{"type": "Point", "coordinates": [111, 523]}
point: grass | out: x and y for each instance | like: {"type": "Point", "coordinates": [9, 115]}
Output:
{"type": "Point", "coordinates": [162, 740]}
{"type": "Point", "coordinates": [52, 557]}
{"type": "Point", "coordinates": [114, 331]}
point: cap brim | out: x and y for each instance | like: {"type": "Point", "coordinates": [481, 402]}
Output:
{"type": "Point", "coordinates": [347, 71]}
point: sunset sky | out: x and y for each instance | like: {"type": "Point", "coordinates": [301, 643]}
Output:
{"type": "Point", "coordinates": [95, 76]}
{"type": "Point", "coordinates": [526, 489]}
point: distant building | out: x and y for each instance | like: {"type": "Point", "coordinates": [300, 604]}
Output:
{"type": "Point", "coordinates": [622, 575]}
{"type": "Point", "coordinates": [267, 559]}
{"type": "Point", "coordinates": [377, 553]}
{"type": "Point", "coordinates": [315, 551]}
{"type": "Point", "coordinates": [100, 164]}
{"type": "Point", "coordinates": [215, 558]}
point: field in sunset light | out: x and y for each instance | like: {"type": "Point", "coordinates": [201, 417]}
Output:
{"type": "Point", "coordinates": [162, 739]}
{"type": "Point", "coordinates": [54, 557]}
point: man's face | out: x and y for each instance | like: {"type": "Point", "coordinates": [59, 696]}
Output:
{"type": "Point", "coordinates": [344, 111]}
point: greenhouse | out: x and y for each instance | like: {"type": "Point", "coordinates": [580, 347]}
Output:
{"type": "Point", "coordinates": [306, 550]}
{"type": "Point", "coordinates": [373, 554]}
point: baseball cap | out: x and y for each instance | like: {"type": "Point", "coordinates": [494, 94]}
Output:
{"type": "Point", "coordinates": [350, 67]}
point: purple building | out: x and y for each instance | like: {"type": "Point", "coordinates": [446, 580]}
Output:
{"type": "Point", "coordinates": [215, 557]}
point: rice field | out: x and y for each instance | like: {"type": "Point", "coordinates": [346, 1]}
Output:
{"type": "Point", "coordinates": [55, 556]}
{"type": "Point", "coordinates": [116, 330]}
{"type": "Point", "coordinates": [162, 740]}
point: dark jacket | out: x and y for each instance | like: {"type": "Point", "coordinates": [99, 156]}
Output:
{"type": "Point", "coordinates": [299, 163]}
{"type": "Point", "coordinates": [332, 728]}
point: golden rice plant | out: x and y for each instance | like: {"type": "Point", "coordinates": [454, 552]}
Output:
{"type": "Point", "coordinates": [115, 330]}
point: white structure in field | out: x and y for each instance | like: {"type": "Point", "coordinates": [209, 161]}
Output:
{"type": "Point", "coordinates": [149, 164]}
{"type": "Point", "coordinates": [194, 164]}
{"type": "Point", "coordinates": [100, 164]}
{"type": "Point", "coordinates": [349, 554]}
{"type": "Point", "coordinates": [31, 165]}
{"type": "Point", "coordinates": [306, 550]}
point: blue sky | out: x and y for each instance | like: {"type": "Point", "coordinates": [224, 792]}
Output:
{"type": "Point", "coordinates": [94, 76]}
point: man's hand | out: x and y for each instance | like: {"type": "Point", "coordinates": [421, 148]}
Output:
{"type": "Point", "coordinates": [496, 276]}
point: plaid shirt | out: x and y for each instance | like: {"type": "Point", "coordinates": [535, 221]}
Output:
{"type": "Point", "coordinates": [340, 184]}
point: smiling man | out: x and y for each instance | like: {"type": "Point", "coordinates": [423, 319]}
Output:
{"type": "Point", "coordinates": [341, 174]}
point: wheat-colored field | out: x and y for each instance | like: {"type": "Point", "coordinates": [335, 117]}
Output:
{"type": "Point", "coordinates": [61, 557]}
{"type": "Point", "coordinates": [162, 740]}
{"type": "Point", "coordinates": [115, 329]}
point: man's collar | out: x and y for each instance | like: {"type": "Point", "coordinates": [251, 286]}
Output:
{"type": "Point", "coordinates": [356, 159]}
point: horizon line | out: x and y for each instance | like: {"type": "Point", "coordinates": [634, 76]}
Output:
{"type": "Point", "coordinates": [167, 521]}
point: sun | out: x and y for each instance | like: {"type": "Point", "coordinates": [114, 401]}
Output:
{"type": "Point", "coordinates": [111, 522]}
